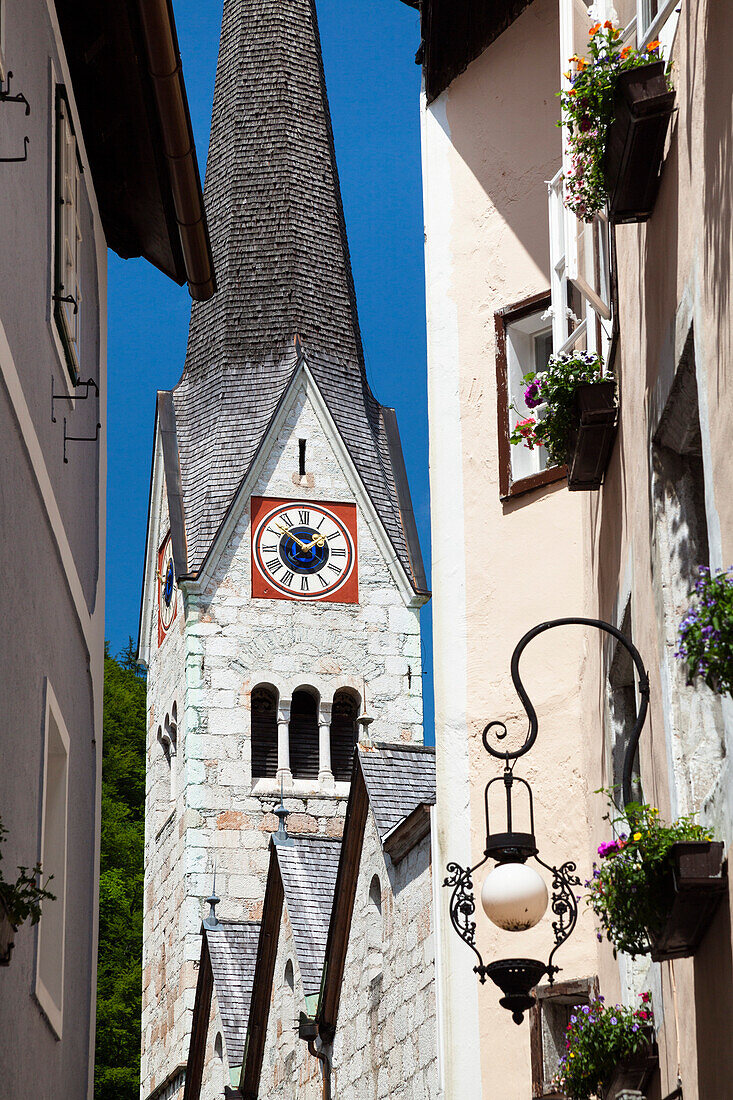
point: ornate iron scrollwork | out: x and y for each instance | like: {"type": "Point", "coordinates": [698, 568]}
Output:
{"type": "Point", "coordinates": [564, 905]}
{"type": "Point", "coordinates": [462, 907]}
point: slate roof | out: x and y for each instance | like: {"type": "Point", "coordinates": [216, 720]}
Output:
{"type": "Point", "coordinates": [283, 269]}
{"type": "Point", "coordinates": [398, 778]}
{"type": "Point", "coordinates": [308, 870]}
{"type": "Point", "coordinates": [233, 953]}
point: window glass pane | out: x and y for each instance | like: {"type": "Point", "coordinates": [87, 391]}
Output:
{"type": "Point", "coordinates": [529, 346]}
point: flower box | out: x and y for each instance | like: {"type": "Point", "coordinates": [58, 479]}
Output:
{"type": "Point", "coordinates": [635, 1072]}
{"type": "Point", "coordinates": [635, 143]}
{"type": "Point", "coordinates": [7, 936]}
{"type": "Point", "coordinates": [591, 441]}
{"type": "Point", "coordinates": [698, 882]}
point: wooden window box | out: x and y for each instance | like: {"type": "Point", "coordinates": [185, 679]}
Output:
{"type": "Point", "coordinates": [591, 442]}
{"type": "Point", "coordinates": [7, 936]}
{"type": "Point", "coordinates": [635, 145]}
{"type": "Point", "coordinates": [635, 1072]}
{"type": "Point", "coordinates": [698, 882]}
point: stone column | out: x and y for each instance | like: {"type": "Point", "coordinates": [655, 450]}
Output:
{"type": "Point", "coordinates": [325, 774]}
{"type": "Point", "coordinates": [283, 743]}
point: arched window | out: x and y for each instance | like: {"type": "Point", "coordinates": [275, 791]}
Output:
{"type": "Point", "coordinates": [304, 735]}
{"type": "Point", "coordinates": [289, 976]}
{"type": "Point", "coordinates": [264, 733]}
{"type": "Point", "coordinates": [219, 1046]}
{"type": "Point", "coordinates": [343, 735]}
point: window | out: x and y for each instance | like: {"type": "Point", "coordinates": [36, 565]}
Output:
{"type": "Point", "coordinates": [67, 293]}
{"type": "Point", "coordinates": [657, 19]}
{"type": "Point", "coordinates": [523, 344]}
{"type": "Point", "coordinates": [622, 713]}
{"type": "Point", "coordinates": [549, 1019]}
{"type": "Point", "coordinates": [264, 733]}
{"type": "Point", "coordinates": [343, 735]}
{"type": "Point", "coordinates": [681, 546]}
{"type": "Point", "coordinates": [52, 927]}
{"type": "Point", "coordinates": [304, 735]}
{"type": "Point", "coordinates": [374, 935]}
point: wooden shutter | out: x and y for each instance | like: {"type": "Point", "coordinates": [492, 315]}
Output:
{"type": "Point", "coordinates": [304, 736]}
{"type": "Point", "coordinates": [264, 734]}
{"type": "Point", "coordinates": [343, 736]}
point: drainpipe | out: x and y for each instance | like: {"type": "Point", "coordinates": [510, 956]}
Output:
{"type": "Point", "coordinates": [308, 1030]}
{"type": "Point", "coordinates": [164, 66]}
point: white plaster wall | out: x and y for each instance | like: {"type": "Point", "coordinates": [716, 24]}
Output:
{"type": "Point", "coordinates": [386, 1041]}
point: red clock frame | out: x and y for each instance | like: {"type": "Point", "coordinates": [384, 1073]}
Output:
{"type": "Point", "coordinates": [345, 513]}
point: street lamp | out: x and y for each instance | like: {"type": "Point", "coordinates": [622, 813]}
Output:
{"type": "Point", "coordinates": [514, 896]}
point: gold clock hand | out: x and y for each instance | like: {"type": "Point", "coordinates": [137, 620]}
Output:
{"type": "Point", "coordinates": [290, 535]}
{"type": "Point", "coordinates": [317, 541]}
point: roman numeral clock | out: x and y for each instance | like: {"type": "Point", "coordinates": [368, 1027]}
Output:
{"type": "Point", "coordinates": [303, 550]}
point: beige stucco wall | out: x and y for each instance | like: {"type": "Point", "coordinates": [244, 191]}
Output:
{"type": "Point", "coordinates": [674, 274]}
{"type": "Point", "coordinates": [490, 143]}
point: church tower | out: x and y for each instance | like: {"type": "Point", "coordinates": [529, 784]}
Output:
{"type": "Point", "coordinates": [283, 575]}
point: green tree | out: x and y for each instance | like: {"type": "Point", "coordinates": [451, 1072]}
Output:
{"type": "Point", "coordinates": [117, 1070]}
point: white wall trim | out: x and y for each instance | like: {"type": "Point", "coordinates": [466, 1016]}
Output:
{"type": "Point", "coordinates": [460, 1055]}
{"type": "Point", "coordinates": [151, 549]}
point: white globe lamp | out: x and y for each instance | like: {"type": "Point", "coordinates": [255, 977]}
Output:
{"type": "Point", "coordinates": [514, 897]}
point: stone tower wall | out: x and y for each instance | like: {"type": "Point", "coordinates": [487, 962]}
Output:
{"type": "Point", "coordinates": [222, 645]}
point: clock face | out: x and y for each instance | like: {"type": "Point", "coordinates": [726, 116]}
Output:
{"type": "Point", "coordinates": [166, 588]}
{"type": "Point", "coordinates": [304, 551]}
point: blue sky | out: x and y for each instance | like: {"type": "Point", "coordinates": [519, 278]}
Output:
{"type": "Point", "coordinates": [373, 87]}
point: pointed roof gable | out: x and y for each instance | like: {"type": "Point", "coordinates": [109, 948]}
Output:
{"type": "Point", "coordinates": [279, 242]}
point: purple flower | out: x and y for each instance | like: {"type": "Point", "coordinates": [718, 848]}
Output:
{"type": "Point", "coordinates": [607, 848]}
{"type": "Point", "coordinates": [614, 1020]}
{"type": "Point", "coordinates": [532, 396]}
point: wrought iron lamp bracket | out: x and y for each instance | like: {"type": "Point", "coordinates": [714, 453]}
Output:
{"type": "Point", "coordinates": [531, 736]}
{"type": "Point", "coordinates": [79, 438]}
{"type": "Point", "coordinates": [462, 906]}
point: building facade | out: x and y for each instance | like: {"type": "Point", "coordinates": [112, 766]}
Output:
{"type": "Point", "coordinates": [283, 577]}
{"type": "Point", "coordinates": [60, 212]}
{"type": "Point", "coordinates": [512, 276]}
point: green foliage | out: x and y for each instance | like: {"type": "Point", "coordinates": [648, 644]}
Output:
{"type": "Point", "coordinates": [117, 1070]}
{"type": "Point", "coordinates": [22, 898]}
{"type": "Point", "coordinates": [631, 889]}
{"type": "Point", "coordinates": [597, 1039]}
{"type": "Point", "coordinates": [706, 632]}
{"type": "Point", "coordinates": [588, 107]}
{"type": "Point", "coordinates": [555, 388]}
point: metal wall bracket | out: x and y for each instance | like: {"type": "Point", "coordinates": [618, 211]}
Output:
{"type": "Point", "coordinates": [17, 160]}
{"type": "Point", "coordinates": [6, 97]}
{"type": "Point", "coordinates": [78, 397]}
{"type": "Point", "coordinates": [79, 438]}
{"type": "Point", "coordinates": [67, 298]}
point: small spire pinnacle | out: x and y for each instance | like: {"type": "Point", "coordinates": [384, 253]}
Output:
{"type": "Point", "coordinates": [281, 836]}
{"type": "Point", "coordinates": [364, 721]}
{"type": "Point", "coordinates": [211, 922]}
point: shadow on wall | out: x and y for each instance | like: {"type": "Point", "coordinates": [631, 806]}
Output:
{"type": "Point", "coordinates": [718, 163]}
{"type": "Point", "coordinates": [714, 1008]}
{"type": "Point", "coordinates": [502, 114]}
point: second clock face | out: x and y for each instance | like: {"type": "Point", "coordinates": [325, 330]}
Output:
{"type": "Point", "coordinates": [301, 550]}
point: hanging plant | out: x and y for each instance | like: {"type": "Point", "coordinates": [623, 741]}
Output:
{"type": "Point", "coordinates": [706, 632]}
{"type": "Point", "coordinates": [631, 890]}
{"type": "Point", "coordinates": [588, 110]}
{"type": "Point", "coordinates": [21, 899]}
{"type": "Point", "coordinates": [554, 388]}
{"type": "Point", "coordinates": [597, 1039]}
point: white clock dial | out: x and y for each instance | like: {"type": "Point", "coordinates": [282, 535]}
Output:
{"type": "Point", "coordinates": [167, 587]}
{"type": "Point", "coordinates": [303, 550]}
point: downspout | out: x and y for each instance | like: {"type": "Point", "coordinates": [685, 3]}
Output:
{"type": "Point", "coordinates": [322, 1051]}
{"type": "Point", "coordinates": [164, 67]}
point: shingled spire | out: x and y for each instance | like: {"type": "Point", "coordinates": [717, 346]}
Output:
{"type": "Point", "coordinates": [282, 262]}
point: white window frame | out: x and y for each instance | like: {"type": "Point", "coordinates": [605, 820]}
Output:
{"type": "Point", "coordinates": [67, 238]}
{"type": "Point", "coordinates": [521, 361]}
{"type": "Point", "coordinates": [54, 831]}
{"type": "Point", "coordinates": [650, 28]}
